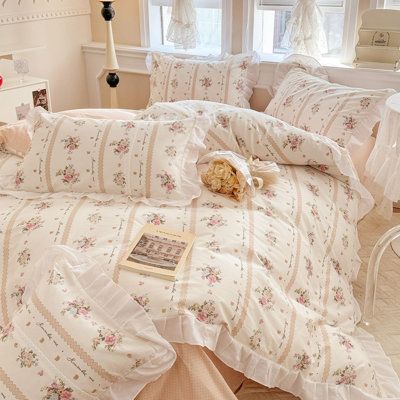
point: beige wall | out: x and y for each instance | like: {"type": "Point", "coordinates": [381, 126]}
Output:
{"type": "Point", "coordinates": [133, 90]}
{"type": "Point", "coordinates": [61, 61]}
{"type": "Point", "coordinates": [126, 25]}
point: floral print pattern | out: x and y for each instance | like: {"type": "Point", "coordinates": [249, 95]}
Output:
{"type": "Point", "coordinates": [346, 375]}
{"type": "Point", "coordinates": [211, 274]}
{"type": "Point", "coordinates": [101, 156]}
{"type": "Point", "coordinates": [19, 178]}
{"type": "Point", "coordinates": [155, 218]}
{"type": "Point", "coordinates": [349, 122]}
{"type": "Point", "coordinates": [27, 358]}
{"type": "Point", "coordinates": [293, 141]}
{"type": "Point", "coordinates": [303, 297]}
{"type": "Point", "coordinates": [69, 175]}
{"type": "Point", "coordinates": [173, 77]}
{"type": "Point", "coordinates": [31, 224]}
{"type": "Point", "coordinates": [58, 390]}
{"type": "Point", "coordinates": [251, 230]}
{"type": "Point", "coordinates": [170, 151]}
{"type": "Point", "coordinates": [265, 297]}
{"type": "Point", "coordinates": [71, 143]}
{"type": "Point", "coordinates": [143, 300]}
{"type": "Point", "coordinates": [204, 312]}
{"type": "Point", "coordinates": [222, 120]}
{"type": "Point", "coordinates": [18, 293]}
{"type": "Point", "coordinates": [336, 111]}
{"type": "Point", "coordinates": [77, 308]}
{"type": "Point", "coordinates": [303, 361]}
{"type": "Point", "coordinates": [94, 218]}
{"type": "Point", "coordinates": [266, 262]}
{"type": "Point", "coordinates": [107, 338]}
{"type": "Point", "coordinates": [5, 332]}
{"type": "Point", "coordinates": [120, 147]}
{"type": "Point", "coordinates": [338, 295]}
{"type": "Point", "coordinates": [167, 182]}
{"type": "Point", "coordinates": [119, 179]}
{"type": "Point", "coordinates": [24, 257]}
{"type": "Point", "coordinates": [214, 221]}
{"type": "Point", "coordinates": [255, 339]}
{"type": "Point", "coordinates": [85, 243]}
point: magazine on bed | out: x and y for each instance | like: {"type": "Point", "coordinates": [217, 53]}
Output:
{"type": "Point", "coordinates": [158, 251]}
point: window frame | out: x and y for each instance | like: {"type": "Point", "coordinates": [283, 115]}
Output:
{"type": "Point", "coordinates": [152, 38]}
{"type": "Point", "coordinates": [349, 30]}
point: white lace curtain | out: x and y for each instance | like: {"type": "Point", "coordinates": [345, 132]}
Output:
{"type": "Point", "coordinates": [305, 31]}
{"type": "Point", "coordinates": [182, 29]}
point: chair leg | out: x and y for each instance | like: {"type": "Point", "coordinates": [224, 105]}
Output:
{"type": "Point", "coordinates": [373, 270]}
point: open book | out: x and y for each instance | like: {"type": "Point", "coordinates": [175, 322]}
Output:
{"type": "Point", "coordinates": [158, 251]}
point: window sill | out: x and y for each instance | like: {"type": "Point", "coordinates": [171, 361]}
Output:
{"type": "Point", "coordinates": [325, 61]}
{"type": "Point", "coordinates": [132, 60]}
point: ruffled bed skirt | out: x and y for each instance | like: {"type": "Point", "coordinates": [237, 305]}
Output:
{"type": "Point", "coordinates": [187, 329]}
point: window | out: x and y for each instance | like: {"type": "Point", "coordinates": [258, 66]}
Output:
{"type": "Point", "coordinates": [212, 21]}
{"type": "Point", "coordinates": [393, 4]}
{"type": "Point", "coordinates": [271, 18]}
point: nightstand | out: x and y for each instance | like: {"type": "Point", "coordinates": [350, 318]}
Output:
{"type": "Point", "coordinates": [18, 96]}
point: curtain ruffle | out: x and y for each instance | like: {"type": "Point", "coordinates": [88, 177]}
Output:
{"type": "Point", "coordinates": [305, 31]}
{"type": "Point", "coordinates": [182, 29]}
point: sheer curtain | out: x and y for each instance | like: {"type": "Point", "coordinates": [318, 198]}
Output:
{"type": "Point", "coordinates": [305, 31]}
{"type": "Point", "coordinates": [182, 29]}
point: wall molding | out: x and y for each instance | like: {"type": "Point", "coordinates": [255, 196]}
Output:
{"type": "Point", "coordinates": [18, 18]}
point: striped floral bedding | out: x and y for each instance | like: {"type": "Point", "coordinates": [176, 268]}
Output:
{"type": "Point", "coordinates": [267, 286]}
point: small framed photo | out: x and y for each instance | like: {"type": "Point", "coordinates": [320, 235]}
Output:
{"type": "Point", "coordinates": [40, 99]}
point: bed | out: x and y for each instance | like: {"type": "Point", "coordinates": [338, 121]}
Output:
{"type": "Point", "coordinates": [264, 306]}
{"type": "Point", "coordinates": [266, 294]}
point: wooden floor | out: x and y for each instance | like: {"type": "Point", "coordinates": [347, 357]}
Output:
{"type": "Point", "coordinates": [386, 324]}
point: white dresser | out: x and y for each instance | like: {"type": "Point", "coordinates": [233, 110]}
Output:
{"type": "Point", "coordinates": [17, 96]}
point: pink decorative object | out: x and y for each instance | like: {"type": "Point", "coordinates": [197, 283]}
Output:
{"type": "Point", "coordinates": [16, 138]}
{"type": "Point", "coordinates": [1, 81]}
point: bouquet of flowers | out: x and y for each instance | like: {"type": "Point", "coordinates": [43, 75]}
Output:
{"type": "Point", "coordinates": [230, 174]}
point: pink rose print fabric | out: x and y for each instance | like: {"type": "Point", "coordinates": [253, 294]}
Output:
{"type": "Point", "coordinates": [229, 81]}
{"type": "Point", "coordinates": [78, 345]}
{"type": "Point", "coordinates": [110, 156]}
{"type": "Point", "coordinates": [347, 115]}
{"type": "Point", "coordinates": [268, 284]}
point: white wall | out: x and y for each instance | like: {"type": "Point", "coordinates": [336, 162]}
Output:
{"type": "Point", "coordinates": [62, 27]}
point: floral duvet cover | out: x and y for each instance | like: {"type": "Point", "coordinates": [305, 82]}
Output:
{"type": "Point", "coordinates": [267, 286]}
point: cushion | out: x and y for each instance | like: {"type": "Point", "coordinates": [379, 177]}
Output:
{"type": "Point", "coordinates": [91, 341]}
{"type": "Point", "coordinates": [228, 81]}
{"type": "Point", "coordinates": [344, 114]}
{"type": "Point", "coordinates": [152, 161]}
{"type": "Point", "coordinates": [15, 138]}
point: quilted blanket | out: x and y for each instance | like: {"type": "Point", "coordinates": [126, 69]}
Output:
{"type": "Point", "coordinates": [267, 286]}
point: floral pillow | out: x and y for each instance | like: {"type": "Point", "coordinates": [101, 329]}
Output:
{"type": "Point", "coordinates": [152, 161]}
{"type": "Point", "coordinates": [346, 115]}
{"type": "Point", "coordinates": [90, 341]}
{"type": "Point", "coordinates": [227, 81]}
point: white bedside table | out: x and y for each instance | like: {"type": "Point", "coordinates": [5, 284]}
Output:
{"type": "Point", "coordinates": [17, 96]}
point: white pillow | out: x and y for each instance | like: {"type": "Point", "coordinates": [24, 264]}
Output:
{"type": "Point", "coordinates": [79, 336]}
{"type": "Point", "coordinates": [229, 81]}
{"type": "Point", "coordinates": [344, 114]}
{"type": "Point", "coordinates": [152, 161]}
